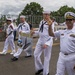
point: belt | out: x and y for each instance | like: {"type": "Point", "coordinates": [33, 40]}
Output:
{"type": "Point", "coordinates": [67, 53]}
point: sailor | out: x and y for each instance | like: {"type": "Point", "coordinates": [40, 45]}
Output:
{"type": "Point", "coordinates": [66, 58]}
{"type": "Point", "coordinates": [23, 41]}
{"type": "Point", "coordinates": [44, 44]}
{"type": "Point", "coordinates": [9, 37]}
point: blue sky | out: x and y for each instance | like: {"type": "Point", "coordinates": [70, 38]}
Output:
{"type": "Point", "coordinates": [16, 6]}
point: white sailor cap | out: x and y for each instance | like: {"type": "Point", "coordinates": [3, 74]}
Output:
{"type": "Point", "coordinates": [9, 19]}
{"type": "Point", "coordinates": [69, 15]}
{"type": "Point", "coordinates": [22, 16]}
{"type": "Point", "coordinates": [46, 12]}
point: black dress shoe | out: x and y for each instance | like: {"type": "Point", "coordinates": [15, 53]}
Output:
{"type": "Point", "coordinates": [38, 72]}
{"type": "Point", "coordinates": [28, 56]}
{"type": "Point", "coordinates": [14, 59]}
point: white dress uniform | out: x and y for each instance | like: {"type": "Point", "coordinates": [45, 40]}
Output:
{"type": "Point", "coordinates": [44, 38]}
{"type": "Point", "coordinates": [9, 40]}
{"type": "Point", "coordinates": [67, 51]}
{"type": "Point", "coordinates": [24, 28]}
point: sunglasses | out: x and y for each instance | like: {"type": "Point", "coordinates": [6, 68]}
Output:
{"type": "Point", "coordinates": [68, 19]}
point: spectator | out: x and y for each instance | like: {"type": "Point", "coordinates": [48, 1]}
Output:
{"type": "Point", "coordinates": [15, 26]}
{"type": "Point", "coordinates": [30, 25]}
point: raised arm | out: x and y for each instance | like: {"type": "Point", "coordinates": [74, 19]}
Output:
{"type": "Point", "coordinates": [50, 29]}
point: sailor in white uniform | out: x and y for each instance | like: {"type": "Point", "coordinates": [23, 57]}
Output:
{"type": "Point", "coordinates": [66, 58]}
{"type": "Point", "coordinates": [44, 44]}
{"type": "Point", "coordinates": [23, 41]}
{"type": "Point", "coordinates": [9, 38]}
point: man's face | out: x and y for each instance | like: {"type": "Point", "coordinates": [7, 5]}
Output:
{"type": "Point", "coordinates": [69, 23]}
{"type": "Point", "coordinates": [8, 22]}
{"type": "Point", "coordinates": [46, 16]}
{"type": "Point", "coordinates": [22, 20]}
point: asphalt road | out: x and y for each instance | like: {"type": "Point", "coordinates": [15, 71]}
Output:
{"type": "Point", "coordinates": [25, 66]}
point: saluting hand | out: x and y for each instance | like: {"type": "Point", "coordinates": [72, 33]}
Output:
{"type": "Point", "coordinates": [49, 21]}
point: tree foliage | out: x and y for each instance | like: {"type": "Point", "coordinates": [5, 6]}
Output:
{"type": "Point", "coordinates": [32, 9]}
{"type": "Point", "coordinates": [63, 10]}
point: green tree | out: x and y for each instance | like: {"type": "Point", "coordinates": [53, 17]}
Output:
{"type": "Point", "coordinates": [63, 10]}
{"type": "Point", "coordinates": [32, 9]}
{"type": "Point", "coordinates": [59, 14]}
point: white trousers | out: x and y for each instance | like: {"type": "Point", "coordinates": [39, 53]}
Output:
{"type": "Point", "coordinates": [9, 41]}
{"type": "Point", "coordinates": [47, 55]}
{"type": "Point", "coordinates": [28, 50]}
{"type": "Point", "coordinates": [17, 54]}
{"type": "Point", "coordinates": [66, 62]}
{"type": "Point", "coordinates": [71, 64]}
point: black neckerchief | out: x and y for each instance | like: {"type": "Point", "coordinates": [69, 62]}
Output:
{"type": "Point", "coordinates": [41, 28]}
{"type": "Point", "coordinates": [21, 26]}
{"type": "Point", "coordinates": [11, 31]}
